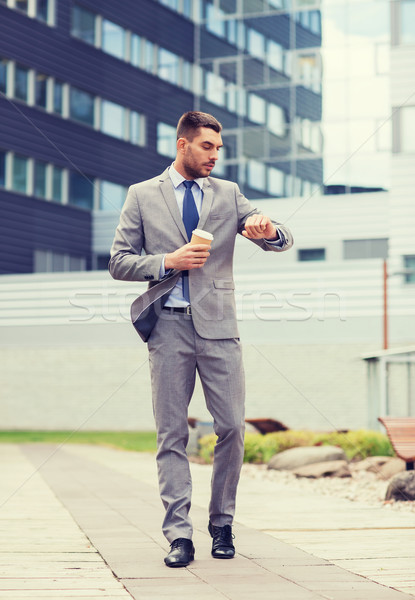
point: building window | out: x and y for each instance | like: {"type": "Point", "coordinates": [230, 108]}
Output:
{"type": "Point", "coordinates": [21, 83]}
{"type": "Point", "coordinates": [112, 196]}
{"type": "Point", "coordinates": [256, 175]}
{"type": "Point", "coordinates": [76, 263]}
{"type": "Point", "coordinates": [308, 71]}
{"type": "Point", "coordinates": [256, 43]}
{"type": "Point", "coordinates": [136, 52]}
{"type": "Point", "coordinates": [113, 119]}
{"type": "Point", "coordinates": [3, 75]}
{"type": "Point", "coordinates": [173, 4]}
{"type": "Point", "coordinates": [372, 248]}
{"type": "Point", "coordinates": [40, 90]}
{"type": "Point", "coordinates": [102, 261]}
{"type": "Point", "coordinates": [2, 168]}
{"type": "Point", "coordinates": [113, 39]}
{"type": "Point", "coordinates": [409, 262]}
{"type": "Point", "coordinates": [137, 129]}
{"type": "Point", "coordinates": [407, 22]}
{"type": "Point", "coordinates": [186, 77]}
{"type": "Point", "coordinates": [214, 20]}
{"type": "Point", "coordinates": [49, 261]}
{"type": "Point", "coordinates": [37, 9]}
{"type": "Point", "coordinates": [81, 106]}
{"type": "Point", "coordinates": [83, 24]}
{"type": "Point", "coordinates": [81, 191]}
{"type": "Point", "coordinates": [42, 10]}
{"type": "Point", "coordinates": [275, 182]}
{"type": "Point", "coordinates": [257, 108]}
{"type": "Point", "coordinates": [20, 167]}
{"type": "Point", "coordinates": [275, 56]}
{"type": "Point", "coordinates": [57, 184]}
{"type": "Point", "coordinates": [187, 8]}
{"type": "Point", "coordinates": [307, 254]}
{"type": "Point", "coordinates": [166, 140]}
{"type": "Point", "coordinates": [276, 120]}
{"type": "Point", "coordinates": [40, 179]}
{"type": "Point", "coordinates": [220, 166]}
{"type": "Point", "coordinates": [215, 89]}
{"type": "Point", "coordinates": [57, 97]}
{"type": "Point", "coordinates": [22, 5]}
{"type": "Point", "coordinates": [149, 53]}
{"type": "Point", "coordinates": [168, 66]}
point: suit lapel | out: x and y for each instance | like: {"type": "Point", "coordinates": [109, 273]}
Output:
{"type": "Point", "coordinates": [167, 190]}
{"type": "Point", "coordinates": [206, 203]}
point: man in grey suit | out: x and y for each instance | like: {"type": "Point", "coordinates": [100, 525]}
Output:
{"type": "Point", "coordinates": [196, 330]}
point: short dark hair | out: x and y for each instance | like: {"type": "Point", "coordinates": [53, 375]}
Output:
{"type": "Point", "coordinates": [191, 121]}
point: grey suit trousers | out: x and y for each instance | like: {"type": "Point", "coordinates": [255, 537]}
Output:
{"type": "Point", "coordinates": [176, 353]}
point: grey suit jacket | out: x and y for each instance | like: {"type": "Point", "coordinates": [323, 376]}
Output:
{"type": "Point", "coordinates": [151, 226]}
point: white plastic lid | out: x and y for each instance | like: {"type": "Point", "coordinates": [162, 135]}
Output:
{"type": "Point", "coordinates": [203, 234]}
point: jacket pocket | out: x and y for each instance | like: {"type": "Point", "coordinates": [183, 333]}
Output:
{"type": "Point", "coordinates": [224, 284]}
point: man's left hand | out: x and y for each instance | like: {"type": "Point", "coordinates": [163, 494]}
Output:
{"type": "Point", "coordinates": [260, 226]}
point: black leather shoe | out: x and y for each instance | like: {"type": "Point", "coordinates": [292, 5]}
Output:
{"type": "Point", "coordinates": [182, 552]}
{"type": "Point", "coordinates": [222, 545]}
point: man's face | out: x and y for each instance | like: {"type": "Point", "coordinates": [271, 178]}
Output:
{"type": "Point", "coordinates": [199, 156]}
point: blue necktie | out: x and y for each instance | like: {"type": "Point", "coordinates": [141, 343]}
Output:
{"type": "Point", "coordinates": [190, 220]}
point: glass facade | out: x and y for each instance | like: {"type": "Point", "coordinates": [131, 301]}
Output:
{"type": "Point", "coordinates": [305, 84]}
{"type": "Point", "coordinates": [355, 92]}
{"type": "Point", "coordinates": [261, 63]}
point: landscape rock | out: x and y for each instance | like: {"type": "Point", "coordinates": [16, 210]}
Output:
{"type": "Point", "coordinates": [384, 467]}
{"type": "Point", "coordinates": [391, 468]}
{"type": "Point", "coordinates": [402, 487]}
{"type": "Point", "coordinates": [371, 463]}
{"type": "Point", "coordinates": [332, 468]}
{"type": "Point", "coordinates": [305, 455]}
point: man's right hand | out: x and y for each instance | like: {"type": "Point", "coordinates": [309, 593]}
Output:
{"type": "Point", "coordinates": [189, 256]}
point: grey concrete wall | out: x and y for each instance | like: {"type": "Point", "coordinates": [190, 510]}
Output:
{"type": "Point", "coordinates": [108, 387]}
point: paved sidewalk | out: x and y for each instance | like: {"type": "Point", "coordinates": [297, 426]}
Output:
{"type": "Point", "coordinates": [84, 522]}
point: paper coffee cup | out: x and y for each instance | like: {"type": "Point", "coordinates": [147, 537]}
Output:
{"type": "Point", "coordinates": [201, 237]}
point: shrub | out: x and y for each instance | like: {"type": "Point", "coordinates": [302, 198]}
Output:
{"type": "Point", "coordinates": [206, 446]}
{"type": "Point", "coordinates": [358, 444]}
{"type": "Point", "coordinates": [260, 448]}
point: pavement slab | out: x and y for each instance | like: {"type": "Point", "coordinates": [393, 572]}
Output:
{"type": "Point", "coordinates": [85, 522]}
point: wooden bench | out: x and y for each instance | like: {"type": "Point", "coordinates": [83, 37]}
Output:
{"type": "Point", "coordinates": [401, 432]}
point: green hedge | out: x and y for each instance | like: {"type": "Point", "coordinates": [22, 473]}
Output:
{"type": "Point", "coordinates": [260, 448]}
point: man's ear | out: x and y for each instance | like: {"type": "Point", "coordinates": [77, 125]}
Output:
{"type": "Point", "coordinates": [181, 144]}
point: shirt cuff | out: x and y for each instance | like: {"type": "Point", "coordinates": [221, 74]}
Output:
{"type": "Point", "coordinates": [279, 242]}
{"type": "Point", "coordinates": [163, 273]}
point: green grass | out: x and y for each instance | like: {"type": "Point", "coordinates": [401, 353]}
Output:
{"type": "Point", "coordinates": [144, 441]}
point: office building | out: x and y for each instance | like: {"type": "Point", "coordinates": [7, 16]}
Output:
{"type": "Point", "coordinates": [91, 93]}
